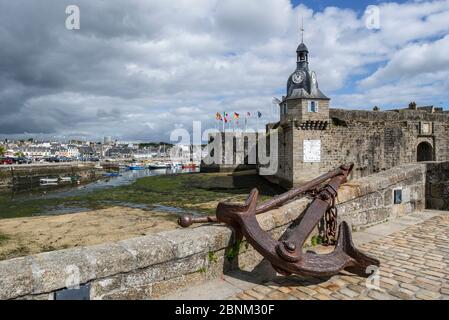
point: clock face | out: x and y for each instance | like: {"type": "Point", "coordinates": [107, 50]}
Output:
{"type": "Point", "coordinates": [298, 77]}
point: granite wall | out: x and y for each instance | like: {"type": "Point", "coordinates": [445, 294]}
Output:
{"type": "Point", "coordinates": [374, 141]}
{"type": "Point", "coordinates": [437, 186]}
{"type": "Point", "coordinates": [13, 175]}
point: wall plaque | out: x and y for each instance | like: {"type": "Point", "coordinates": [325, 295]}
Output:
{"type": "Point", "coordinates": [426, 128]}
{"type": "Point", "coordinates": [312, 150]}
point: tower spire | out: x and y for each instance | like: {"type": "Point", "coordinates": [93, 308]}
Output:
{"type": "Point", "coordinates": [302, 29]}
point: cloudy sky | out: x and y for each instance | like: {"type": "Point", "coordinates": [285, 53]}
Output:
{"type": "Point", "coordinates": [137, 69]}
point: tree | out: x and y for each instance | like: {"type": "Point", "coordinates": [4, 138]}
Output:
{"type": "Point", "coordinates": [2, 150]}
{"type": "Point", "coordinates": [19, 154]}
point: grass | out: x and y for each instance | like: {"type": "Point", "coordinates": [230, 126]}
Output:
{"type": "Point", "coordinates": [3, 238]}
{"type": "Point", "coordinates": [196, 192]}
{"type": "Point", "coordinates": [17, 252]}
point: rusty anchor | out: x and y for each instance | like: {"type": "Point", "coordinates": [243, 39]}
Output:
{"type": "Point", "coordinates": [286, 255]}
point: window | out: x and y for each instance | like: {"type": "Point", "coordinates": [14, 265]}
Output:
{"type": "Point", "coordinates": [313, 106]}
{"type": "Point", "coordinates": [397, 196]}
{"type": "Point", "coordinates": [284, 109]}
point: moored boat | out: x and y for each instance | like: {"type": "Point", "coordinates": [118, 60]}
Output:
{"type": "Point", "coordinates": [136, 166]}
{"type": "Point", "coordinates": [189, 166]}
{"type": "Point", "coordinates": [158, 165]}
{"type": "Point", "coordinates": [111, 174]}
{"type": "Point", "coordinates": [48, 181]}
{"type": "Point", "coordinates": [176, 165]}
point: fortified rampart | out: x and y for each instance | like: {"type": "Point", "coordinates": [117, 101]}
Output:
{"type": "Point", "coordinates": [151, 266]}
{"type": "Point", "coordinates": [373, 140]}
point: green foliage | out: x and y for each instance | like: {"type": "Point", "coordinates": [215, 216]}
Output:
{"type": "Point", "coordinates": [212, 257]}
{"type": "Point", "coordinates": [2, 150]}
{"type": "Point", "coordinates": [233, 251]}
{"type": "Point", "coordinates": [203, 270]}
{"type": "Point", "coordinates": [154, 144]}
{"type": "Point", "coordinates": [317, 240]}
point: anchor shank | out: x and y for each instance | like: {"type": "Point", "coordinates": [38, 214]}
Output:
{"type": "Point", "coordinates": [313, 215]}
{"type": "Point", "coordinates": [291, 248]}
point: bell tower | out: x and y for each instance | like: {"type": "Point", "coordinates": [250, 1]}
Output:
{"type": "Point", "coordinates": [304, 116]}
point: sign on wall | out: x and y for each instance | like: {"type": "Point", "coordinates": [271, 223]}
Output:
{"type": "Point", "coordinates": [312, 150]}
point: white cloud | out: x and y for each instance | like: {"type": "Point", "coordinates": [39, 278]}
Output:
{"type": "Point", "coordinates": [413, 62]}
{"type": "Point", "coordinates": [141, 69]}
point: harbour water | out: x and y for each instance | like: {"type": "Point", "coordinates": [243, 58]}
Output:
{"type": "Point", "coordinates": [17, 200]}
{"type": "Point", "coordinates": [125, 177]}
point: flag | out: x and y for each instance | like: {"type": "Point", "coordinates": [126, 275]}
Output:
{"type": "Point", "coordinates": [225, 117]}
{"type": "Point", "coordinates": [248, 114]}
{"type": "Point", "coordinates": [218, 116]}
{"type": "Point", "coordinates": [236, 116]}
{"type": "Point", "coordinates": [259, 114]}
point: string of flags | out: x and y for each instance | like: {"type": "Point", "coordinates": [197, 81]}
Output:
{"type": "Point", "coordinates": [227, 118]}
{"type": "Point", "coordinates": [236, 116]}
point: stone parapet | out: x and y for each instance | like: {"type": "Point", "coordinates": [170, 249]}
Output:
{"type": "Point", "coordinates": [150, 266]}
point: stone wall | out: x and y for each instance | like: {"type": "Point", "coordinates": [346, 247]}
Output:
{"type": "Point", "coordinates": [437, 186]}
{"type": "Point", "coordinates": [370, 200]}
{"type": "Point", "coordinates": [381, 140]}
{"type": "Point", "coordinates": [151, 266]}
{"type": "Point", "coordinates": [374, 141]}
{"type": "Point", "coordinates": [10, 175]}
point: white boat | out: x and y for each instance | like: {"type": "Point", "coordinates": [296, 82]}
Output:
{"type": "Point", "coordinates": [158, 165]}
{"type": "Point", "coordinates": [65, 179]}
{"type": "Point", "coordinates": [176, 165]}
{"type": "Point", "coordinates": [48, 182]}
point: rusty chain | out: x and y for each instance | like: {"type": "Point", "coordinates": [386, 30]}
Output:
{"type": "Point", "coordinates": [330, 218]}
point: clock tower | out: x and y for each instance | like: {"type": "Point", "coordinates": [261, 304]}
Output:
{"type": "Point", "coordinates": [304, 118]}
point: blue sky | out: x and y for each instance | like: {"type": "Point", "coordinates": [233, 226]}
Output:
{"type": "Point", "coordinates": [138, 70]}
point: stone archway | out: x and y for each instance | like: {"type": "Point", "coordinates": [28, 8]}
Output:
{"type": "Point", "coordinates": [424, 152]}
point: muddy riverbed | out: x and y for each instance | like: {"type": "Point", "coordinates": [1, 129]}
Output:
{"type": "Point", "coordinates": [97, 213]}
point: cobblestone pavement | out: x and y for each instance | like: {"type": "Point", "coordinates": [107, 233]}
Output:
{"type": "Point", "coordinates": [414, 265]}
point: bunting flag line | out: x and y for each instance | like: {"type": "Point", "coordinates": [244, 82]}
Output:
{"type": "Point", "coordinates": [248, 115]}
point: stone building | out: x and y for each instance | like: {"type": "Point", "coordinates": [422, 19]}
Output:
{"type": "Point", "coordinates": [314, 138]}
